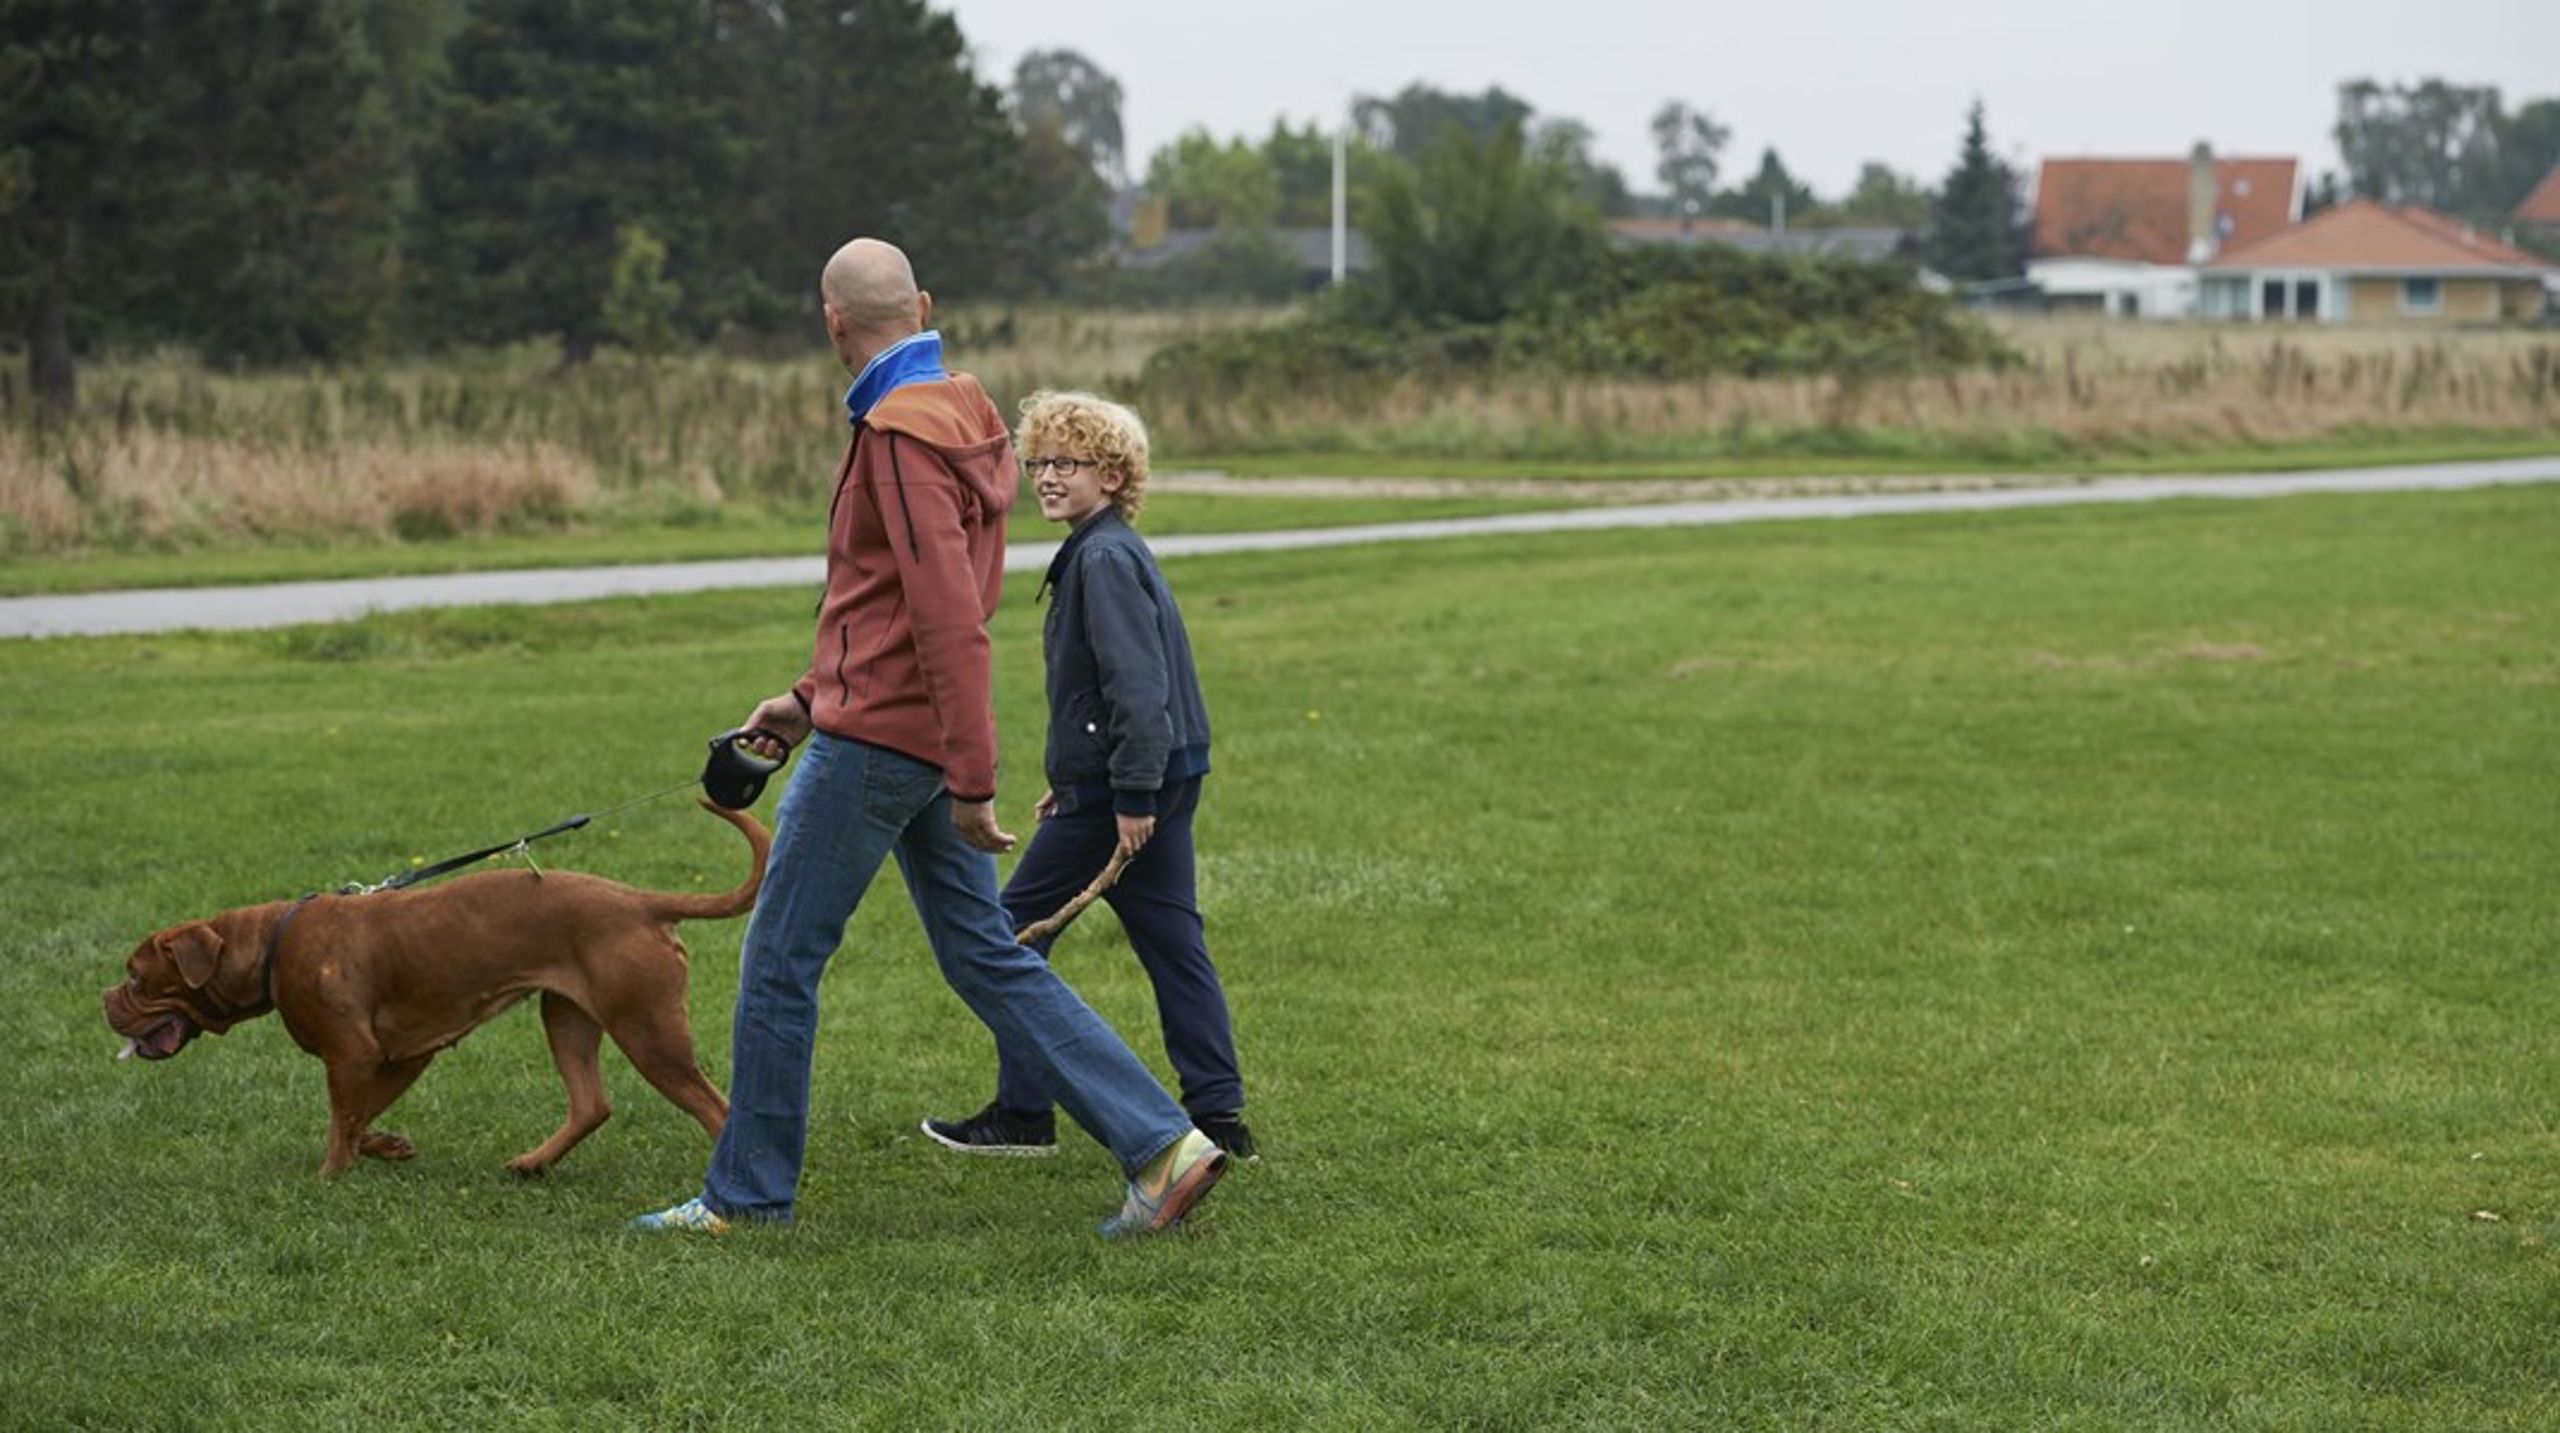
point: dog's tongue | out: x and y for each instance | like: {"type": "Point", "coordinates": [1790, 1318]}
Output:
{"type": "Point", "coordinates": [157, 1043]}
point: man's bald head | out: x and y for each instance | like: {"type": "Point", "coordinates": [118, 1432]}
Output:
{"type": "Point", "coordinates": [871, 286]}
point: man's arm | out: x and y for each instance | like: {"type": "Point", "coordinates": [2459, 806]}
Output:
{"type": "Point", "coordinates": [920, 502]}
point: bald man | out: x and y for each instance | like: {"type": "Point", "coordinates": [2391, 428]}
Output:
{"type": "Point", "coordinates": [897, 743]}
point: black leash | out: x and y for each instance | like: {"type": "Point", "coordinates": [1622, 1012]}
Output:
{"type": "Point", "coordinates": [403, 879]}
{"type": "Point", "coordinates": [734, 776]}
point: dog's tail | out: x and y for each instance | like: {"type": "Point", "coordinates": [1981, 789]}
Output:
{"type": "Point", "coordinates": [669, 906]}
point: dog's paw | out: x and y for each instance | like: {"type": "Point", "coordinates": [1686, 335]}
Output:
{"type": "Point", "coordinates": [374, 1144]}
{"type": "Point", "coordinates": [528, 1166]}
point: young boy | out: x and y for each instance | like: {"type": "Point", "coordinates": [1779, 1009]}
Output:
{"type": "Point", "coordinates": [1128, 745]}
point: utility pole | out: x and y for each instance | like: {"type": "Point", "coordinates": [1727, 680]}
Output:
{"type": "Point", "coordinates": [1341, 200]}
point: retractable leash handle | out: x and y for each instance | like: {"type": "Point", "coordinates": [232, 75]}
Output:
{"type": "Point", "coordinates": [734, 774]}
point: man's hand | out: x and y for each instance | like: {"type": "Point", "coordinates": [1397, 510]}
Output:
{"type": "Point", "coordinates": [976, 822]}
{"type": "Point", "coordinates": [1134, 832]}
{"type": "Point", "coordinates": [785, 719]}
{"type": "Point", "coordinates": [1045, 807]}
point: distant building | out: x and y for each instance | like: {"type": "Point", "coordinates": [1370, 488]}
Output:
{"type": "Point", "coordinates": [2123, 236]}
{"type": "Point", "coordinates": [2540, 210]}
{"type": "Point", "coordinates": [2364, 261]}
{"type": "Point", "coordinates": [1871, 243]}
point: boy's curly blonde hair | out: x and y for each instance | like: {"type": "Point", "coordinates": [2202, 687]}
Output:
{"type": "Point", "coordinates": [1087, 425]}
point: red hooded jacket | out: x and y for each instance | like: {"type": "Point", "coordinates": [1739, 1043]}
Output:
{"type": "Point", "coordinates": [915, 564]}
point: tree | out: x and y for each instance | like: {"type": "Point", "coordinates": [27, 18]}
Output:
{"type": "Point", "coordinates": [1769, 197]}
{"type": "Point", "coordinates": [1689, 144]}
{"type": "Point", "coordinates": [2431, 143]}
{"type": "Point", "coordinates": [1565, 144]}
{"type": "Point", "coordinates": [568, 122]}
{"type": "Point", "coordinates": [277, 183]}
{"type": "Point", "coordinates": [1885, 198]}
{"type": "Point", "coordinates": [1208, 185]}
{"type": "Point", "coordinates": [212, 171]}
{"type": "Point", "coordinates": [1480, 231]}
{"type": "Point", "coordinates": [1412, 122]}
{"type": "Point", "coordinates": [76, 82]}
{"type": "Point", "coordinates": [2324, 192]}
{"type": "Point", "coordinates": [864, 117]}
{"type": "Point", "coordinates": [1975, 231]}
{"type": "Point", "coordinates": [1301, 164]}
{"type": "Point", "coordinates": [1061, 91]}
{"type": "Point", "coordinates": [2529, 143]}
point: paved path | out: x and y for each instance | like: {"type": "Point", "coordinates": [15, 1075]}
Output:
{"type": "Point", "coordinates": [290, 603]}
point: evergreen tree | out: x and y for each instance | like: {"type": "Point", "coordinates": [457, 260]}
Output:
{"type": "Point", "coordinates": [276, 180]}
{"type": "Point", "coordinates": [566, 123]}
{"type": "Point", "coordinates": [1975, 231]}
{"type": "Point", "coordinates": [75, 76]}
{"type": "Point", "coordinates": [864, 117]}
{"type": "Point", "coordinates": [1771, 196]}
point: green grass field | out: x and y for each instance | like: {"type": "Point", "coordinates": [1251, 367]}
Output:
{"type": "Point", "coordinates": [2070, 969]}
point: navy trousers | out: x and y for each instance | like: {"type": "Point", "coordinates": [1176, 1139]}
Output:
{"type": "Point", "coordinates": [1158, 902]}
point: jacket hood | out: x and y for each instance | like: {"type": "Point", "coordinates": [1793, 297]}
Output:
{"type": "Point", "coordinates": [954, 417]}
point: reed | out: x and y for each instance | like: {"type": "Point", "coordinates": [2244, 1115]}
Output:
{"type": "Point", "coordinates": [170, 454]}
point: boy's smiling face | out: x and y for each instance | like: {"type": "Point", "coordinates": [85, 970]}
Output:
{"type": "Point", "coordinates": [1070, 487]}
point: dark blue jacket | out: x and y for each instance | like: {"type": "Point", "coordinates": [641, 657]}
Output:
{"type": "Point", "coordinates": [1125, 715]}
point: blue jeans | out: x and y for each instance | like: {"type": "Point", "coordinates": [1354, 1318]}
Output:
{"type": "Point", "coordinates": [1158, 901]}
{"type": "Point", "coordinates": [848, 806]}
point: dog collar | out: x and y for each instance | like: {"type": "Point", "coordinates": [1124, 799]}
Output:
{"type": "Point", "coordinates": [275, 945]}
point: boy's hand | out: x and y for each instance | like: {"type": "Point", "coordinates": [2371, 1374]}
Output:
{"type": "Point", "coordinates": [1134, 831]}
{"type": "Point", "coordinates": [1045, 807]}
{"type": "Point", "coordinates": [976, 821]}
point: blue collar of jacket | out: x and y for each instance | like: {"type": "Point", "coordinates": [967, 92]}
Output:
{"type": "Point", "coordinates": [916, 358]}
{"type": "Point", "coordinates": [1105, 516]}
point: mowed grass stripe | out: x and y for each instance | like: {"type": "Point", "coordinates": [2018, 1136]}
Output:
{"type": "Point", "coordinates": [2056, 969]}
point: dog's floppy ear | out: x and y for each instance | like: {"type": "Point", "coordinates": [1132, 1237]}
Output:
{"type": "Point", "coordinates": [195, 950]}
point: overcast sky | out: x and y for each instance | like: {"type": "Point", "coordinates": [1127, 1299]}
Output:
{"type": "Point", "coordinates": [1831, 83]}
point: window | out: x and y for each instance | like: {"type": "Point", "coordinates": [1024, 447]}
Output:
{"type": "Point", "coordinates": [2424, 295]}
{"type": "Point", "coordinates": [2306, 298]}
{"type": "Point", "coordinates": [2271, 298]}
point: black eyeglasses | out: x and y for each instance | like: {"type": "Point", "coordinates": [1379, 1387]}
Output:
{"type": "Point", "coordinates": [1067, 467]}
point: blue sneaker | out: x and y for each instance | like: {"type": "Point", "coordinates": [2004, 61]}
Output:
{"type": "Point", "coordinates": [1167, 1189]}
{"type": "Point", "coordinates": [691, 1217]}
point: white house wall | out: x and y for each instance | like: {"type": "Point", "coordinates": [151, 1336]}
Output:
{"type": "Point", "coordinates": [2157, 290]}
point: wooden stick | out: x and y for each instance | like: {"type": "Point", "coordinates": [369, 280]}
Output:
{"type": "Point", "coordinates": [1042, 930]}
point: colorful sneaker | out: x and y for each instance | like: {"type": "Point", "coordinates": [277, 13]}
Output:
{"type": "Point", "coordinates": [1167, 1189]}
{"type": "Point", "coordinates": [1228, 1132]}
{"type": "Point", "coordinates": [691, 1217]}
{"type": "Point", "coordinates": [996, 1130]}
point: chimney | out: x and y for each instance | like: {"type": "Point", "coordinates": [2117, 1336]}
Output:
{"type": "Point", "coordinates": [2204, 235]}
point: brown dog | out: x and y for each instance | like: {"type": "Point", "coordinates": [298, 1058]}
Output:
{"type": "Point", "coordinates": [377, 984]}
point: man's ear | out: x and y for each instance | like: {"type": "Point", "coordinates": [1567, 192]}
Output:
{"type": "Point", "coordinates": [195, 950]}
{"type": "Point", "coordinates": [924, 310]}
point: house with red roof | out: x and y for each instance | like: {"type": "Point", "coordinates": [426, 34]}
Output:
{"type": "Point", "coordinates": [2123, 236]}
{"type": "Point", "coordinates": [2541, 208]}
{"type": "Point", "coordinates": [2365, 261]}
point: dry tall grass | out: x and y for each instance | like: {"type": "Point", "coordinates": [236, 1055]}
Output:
{"type": "Point", "coordinates": [169, 453]}
{"type": "Point", "coordinates": [2086, 388]}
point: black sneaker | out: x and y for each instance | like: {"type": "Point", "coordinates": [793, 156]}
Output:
{"type": "Point", "coordinates": [1228, 1132]}
{"type": "Point", "coordinates": [995, 1130]}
